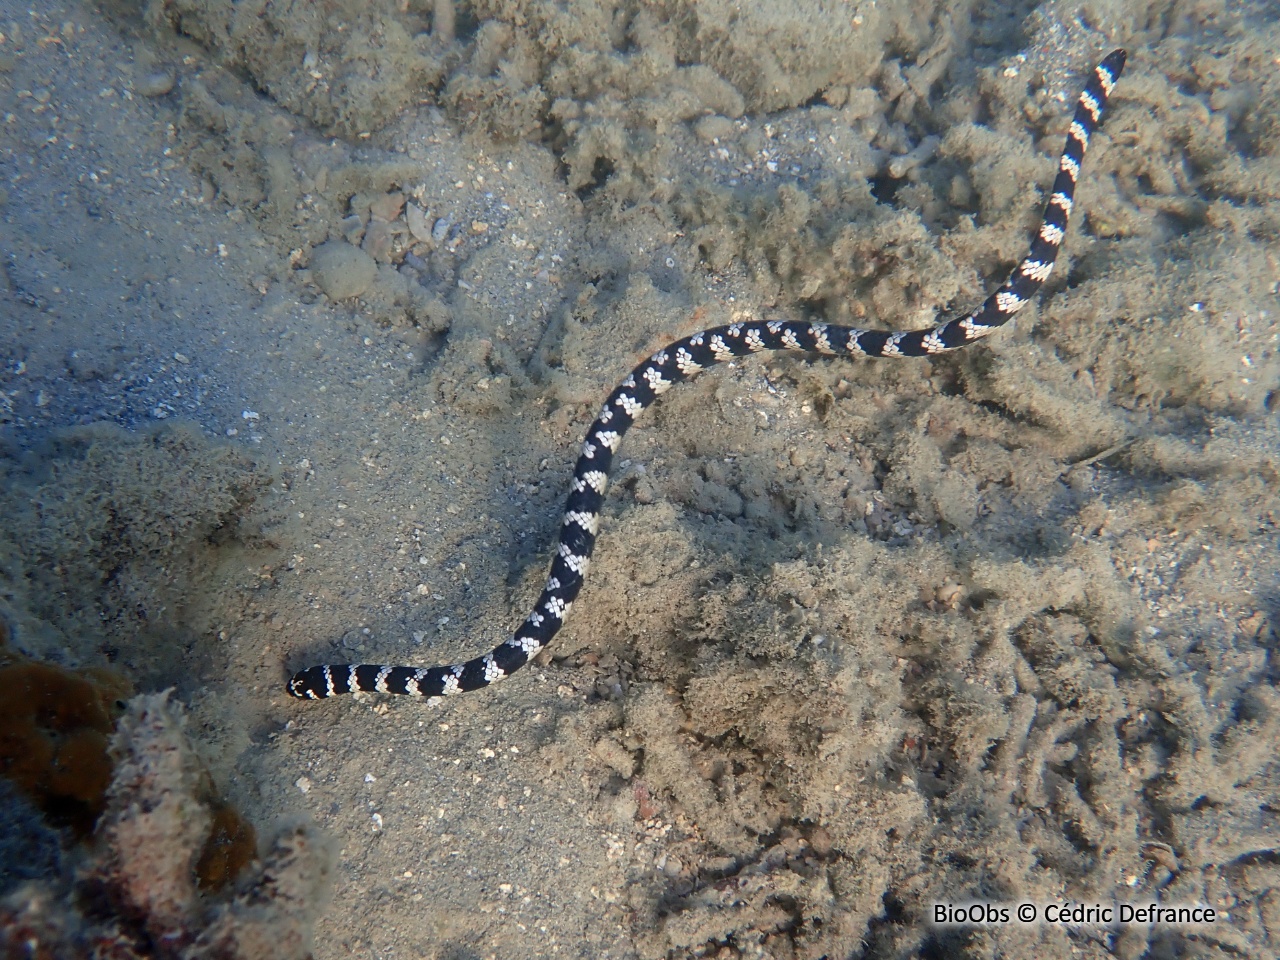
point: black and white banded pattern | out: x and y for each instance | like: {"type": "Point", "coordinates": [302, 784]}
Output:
{"type": "Point", "coordinates": [681, 361]}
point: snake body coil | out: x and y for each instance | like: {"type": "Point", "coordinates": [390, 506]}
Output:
{"type": "Point", "coordinates": [682, 360]}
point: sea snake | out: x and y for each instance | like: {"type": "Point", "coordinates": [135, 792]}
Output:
{"type": "Point", "coordinates": [682, 360]}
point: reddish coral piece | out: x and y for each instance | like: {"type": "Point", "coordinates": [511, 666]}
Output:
{"type": "Point", "coordinates": [54, 725]}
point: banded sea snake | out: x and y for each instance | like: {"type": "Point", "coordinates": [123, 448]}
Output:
{"type": "Point", "coordinates": [682, 360]}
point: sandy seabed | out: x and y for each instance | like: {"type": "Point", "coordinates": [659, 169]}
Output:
{"type": "Point", "coordinates": [308, 305]}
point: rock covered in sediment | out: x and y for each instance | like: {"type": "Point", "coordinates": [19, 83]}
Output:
{"type": "Point", "coordinates": [155, 826]}
{"type": "Point", "coordinates": [341, 270]}
{"type": "Point", "coordinates": [138, 890]}
{"type": "Point", "coordinates": [273, 915]}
